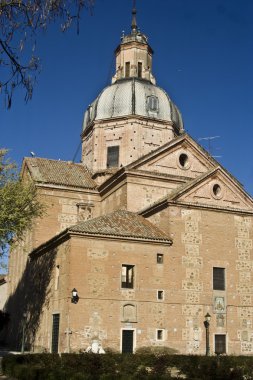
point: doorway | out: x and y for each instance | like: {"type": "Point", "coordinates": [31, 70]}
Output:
{"type": "Point", "coordinates": [127, 341]}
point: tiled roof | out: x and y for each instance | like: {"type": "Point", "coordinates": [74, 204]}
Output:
{"type": "Point", "coordinates": [121, 223]}
{"type": "Point", "coordinates": [59, 172]}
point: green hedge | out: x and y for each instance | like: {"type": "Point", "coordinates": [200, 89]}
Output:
{"type": "Point", "coordinates": [112, 366]}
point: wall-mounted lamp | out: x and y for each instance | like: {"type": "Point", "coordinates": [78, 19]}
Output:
{"type": "Point", "coordinates": [74, 296]}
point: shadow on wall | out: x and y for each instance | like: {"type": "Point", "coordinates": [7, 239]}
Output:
{"type": "Point", "coordinates": [26, 303]}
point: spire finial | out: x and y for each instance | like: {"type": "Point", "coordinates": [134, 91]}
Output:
{"type": "Point", "coordinates": [134, 24]}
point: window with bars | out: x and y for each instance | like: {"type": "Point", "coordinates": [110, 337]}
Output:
{"type": "Point", "coordinates": [127, 69]}
{"type": "Point", "coordinates": [113, 156]}
{"type": "Point", "coordinates": [55, 333]}
{"type": "Point", "coordinates": [218, 278]}
{"type": "Point", "coordinates": [220, 344]}
{"type": "Point", "coordinates": [127, 276]}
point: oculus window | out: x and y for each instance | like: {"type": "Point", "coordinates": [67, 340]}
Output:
{"type": "Point", "coordinates": [127, 276]}
{"type": "Point", "coordinates": [217, 191]}
{"type": "Point", "coordinates": [113, 156]}
{"type": "Point", "coordinates": [184, 161]}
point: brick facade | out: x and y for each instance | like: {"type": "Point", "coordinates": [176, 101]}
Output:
{"type": "Point", "coordinates": [151, 244]}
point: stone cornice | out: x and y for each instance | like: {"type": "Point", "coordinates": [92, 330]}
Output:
{"type": "Point", "coordinates": [158, 176]}
{"type": "Point", "coordinates": [129, 118]}
{"type": "Point", "coordinates": [125, 173]}
{"type": "Point", "coordinates": [66, 235]}
{"type": "Point", "coordinates": [167, 242]}
{"type": "Point", "coordinates": [164, 203]}
{"type": "Point", "coordinates": [71, 189]}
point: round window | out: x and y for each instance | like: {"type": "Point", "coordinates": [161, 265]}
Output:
{"type": "Point", "coordinates": [184, 161]}
{"type": "Point", "coordinates": [217, 191]}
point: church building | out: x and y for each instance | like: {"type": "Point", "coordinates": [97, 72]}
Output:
{"type": "Point", "coordinates": [142, 241]}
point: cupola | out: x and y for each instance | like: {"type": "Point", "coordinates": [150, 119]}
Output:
{"type": "Point", "coordinates": [132, 116]}
{"type": "Point", "coordinates": [134, 55]}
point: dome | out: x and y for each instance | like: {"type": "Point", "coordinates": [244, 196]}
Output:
{"type": "Point", "coordinates": [133, 96]}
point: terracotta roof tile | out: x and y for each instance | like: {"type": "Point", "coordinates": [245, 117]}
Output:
{"type": "Point", "coordinates": [123, 224]}
{"type": "Point", "coordinates": [60, 172]}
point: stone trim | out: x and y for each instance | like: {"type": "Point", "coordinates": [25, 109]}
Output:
{"type": "Point", "coordinates": [192, 287]}
{"type": "Point", "coordinates": [65, 235]}
{"type": "Point", "coordinates": [244, 265]}
{"type": "Point", "coordinates": [163, 203]}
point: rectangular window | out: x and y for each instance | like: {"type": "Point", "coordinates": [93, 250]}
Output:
{"type": "Point", "coordinates": [127, 276]}
{"type": "Point", "coordinates": [220, 344]}
{"type": "Point", "coordinates": [127, 70]}
{"type": "Point", "coordinates": [139, 69]}
{"type": "Point", "coordinates": [160, 334]}
{"type": "Point", "coordinates": [218, 279]}
{"type": "Point", "coordinates": [55, 333]}
{"type": "Point", "coordinates": [152, 103]}
{"type": "Point", "coordinates": [160, 294]}
{"type": "Point", "coordinates": [159, 258]}
{"type": "Point", "coordinates": [113, 156]}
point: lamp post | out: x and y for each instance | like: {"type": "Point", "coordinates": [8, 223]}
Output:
{"type": "Point", "coordinates": [207, 324]}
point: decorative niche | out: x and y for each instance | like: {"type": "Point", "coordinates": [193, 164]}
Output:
{"type": "Point", "coordinates": [129, 312]}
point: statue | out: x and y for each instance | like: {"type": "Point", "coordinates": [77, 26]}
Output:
{"type": "Point", "coordinates": [95, 348]}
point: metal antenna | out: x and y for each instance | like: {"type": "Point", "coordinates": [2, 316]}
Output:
{"type": "Point", "coordinates": [209, 139]}
{"type": "Point", "coordinates": [76, 152]}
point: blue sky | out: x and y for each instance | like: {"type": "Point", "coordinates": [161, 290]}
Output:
{"type": "Point", "coordinates": [203, 59]}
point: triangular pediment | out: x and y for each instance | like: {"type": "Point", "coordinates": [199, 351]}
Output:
{"type": "Point", "coordinates": [215, 188]}
{"type": "Point", "coordinates": [181, 157]}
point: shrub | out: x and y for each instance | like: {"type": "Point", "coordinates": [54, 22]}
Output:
{"type": "Point", "coordinates": [156, 350]}
{"type": "Point", "coordinates": [145, 365]}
